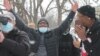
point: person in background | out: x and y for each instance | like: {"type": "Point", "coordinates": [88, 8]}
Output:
{"type": "Point", "coordinates": [46, 42]}
{"type": "Point", "coordinates": [13, 42]}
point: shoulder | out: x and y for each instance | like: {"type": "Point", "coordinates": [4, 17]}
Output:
{"type": "Point", "coordinates": [19, 32]}
{"type": "Point", "coordinates": [22, 34]}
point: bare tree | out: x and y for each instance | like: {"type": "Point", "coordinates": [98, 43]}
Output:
{"type": "Point", "coordinates": [32, 14]}
{"type": "Point", "coordinates": [36, 5]}
{"type": "Point", "coordinates": [31, 11]}
{"type": "Point", "coordinates": [48, 14]}
{"type": "Point", "coordinates": [43, 13]}
{"type": "Point", "coordinates": [19, 5]}
{"type": "Point", "coordinates": [60, 7]}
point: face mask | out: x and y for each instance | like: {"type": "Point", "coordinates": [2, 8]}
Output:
{"type": "Point", "coordinates": [43, 29]}
{"type": "Point", "coordinates": [7, 28]}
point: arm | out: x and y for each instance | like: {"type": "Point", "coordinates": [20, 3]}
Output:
{"type": "Point", "coordinates": [20, 47]}
{"type": "Point", "coordinates": [19, 23]}
{"type": "Point", "coordinates": [66, 24]}
{"type": "Point", "coordinates": [75, 51]}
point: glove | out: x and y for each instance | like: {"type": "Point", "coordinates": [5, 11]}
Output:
{"type": "Point", "coordinates": [3, 20]}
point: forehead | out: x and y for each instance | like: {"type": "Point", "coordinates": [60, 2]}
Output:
{"type": "Point", "coordinates": [43, 22]}
{"type": "Point", "coordinates": [79, 14]}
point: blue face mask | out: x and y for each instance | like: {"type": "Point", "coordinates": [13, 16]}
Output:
{"type": "Point", "coordinates": [43, 29]}
{"type": "Point", "coordinates": [7, 28]}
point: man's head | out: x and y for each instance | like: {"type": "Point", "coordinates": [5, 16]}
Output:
{"type": "Point", "coordinates": [10, 19]}
{"type": "Point", "coordinates": [43, 25]}
{"type": "Point", "coordinates": [86, 16]}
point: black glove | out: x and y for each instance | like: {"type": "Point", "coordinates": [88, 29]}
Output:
{"type": "Point", "coordinates": [3, 20]}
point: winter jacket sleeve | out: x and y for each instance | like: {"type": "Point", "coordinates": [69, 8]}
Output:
{"type": "Point", "coordinates": [20, 47]}
{"type": "Point", "coordinates": [21, 26]}
{"type": "Point", "coordinates": [66, 24]}
{"type": "Point", "coordinates": [19, 23]}
{"type": "Point", "coordinates": [75, 51]}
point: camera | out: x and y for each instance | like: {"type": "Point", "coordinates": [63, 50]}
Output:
{"type": "Point", "coordinates": [3, 20]}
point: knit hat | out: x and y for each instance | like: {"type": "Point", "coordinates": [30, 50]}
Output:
{"type": "Point", "coordinates": [6, 13]}
{"type": "Point", "coordinates": [43, 20]}
{"type": "Point", "coordinates": [87, 10]}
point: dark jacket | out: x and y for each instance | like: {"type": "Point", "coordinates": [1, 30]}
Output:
{"type": "Point", "coordinates": [66, 47]}
{"type": "Point", "coordinates": [51, 37]}
{"type": "Point", "coordinates": [16, 43]}
{"type": "Point", "coordinates": [93, 48]}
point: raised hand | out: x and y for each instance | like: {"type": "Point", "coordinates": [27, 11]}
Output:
{"type": "Point", "coordinates": [7, 5]}
{"type": "Point", "coordinates": [80, 30]}
{"type": "Point", "coordinates": [74, 6]}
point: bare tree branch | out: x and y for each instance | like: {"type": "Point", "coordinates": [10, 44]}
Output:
{"type": "Point", "coordinates": [51, 9]}
{"type": "Point", "coordinates": [22, 8]}
{"type": "Point", "coordinates": [48, 6]}
{"type": "Point", "coordinates": [34, 4]}
{"type": "Point", "coordinates": [63, 3]}
{"type": "Point", "coordinates": [42, 11]}
{"type": "Point", "coordinates": [58, 3]}
{"type": "Point", "coordinates": [65, 10]}
{"type": "Point", "coordinates": [39, 3]}
{"type": "Point", "coordinates": [85, 2]}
